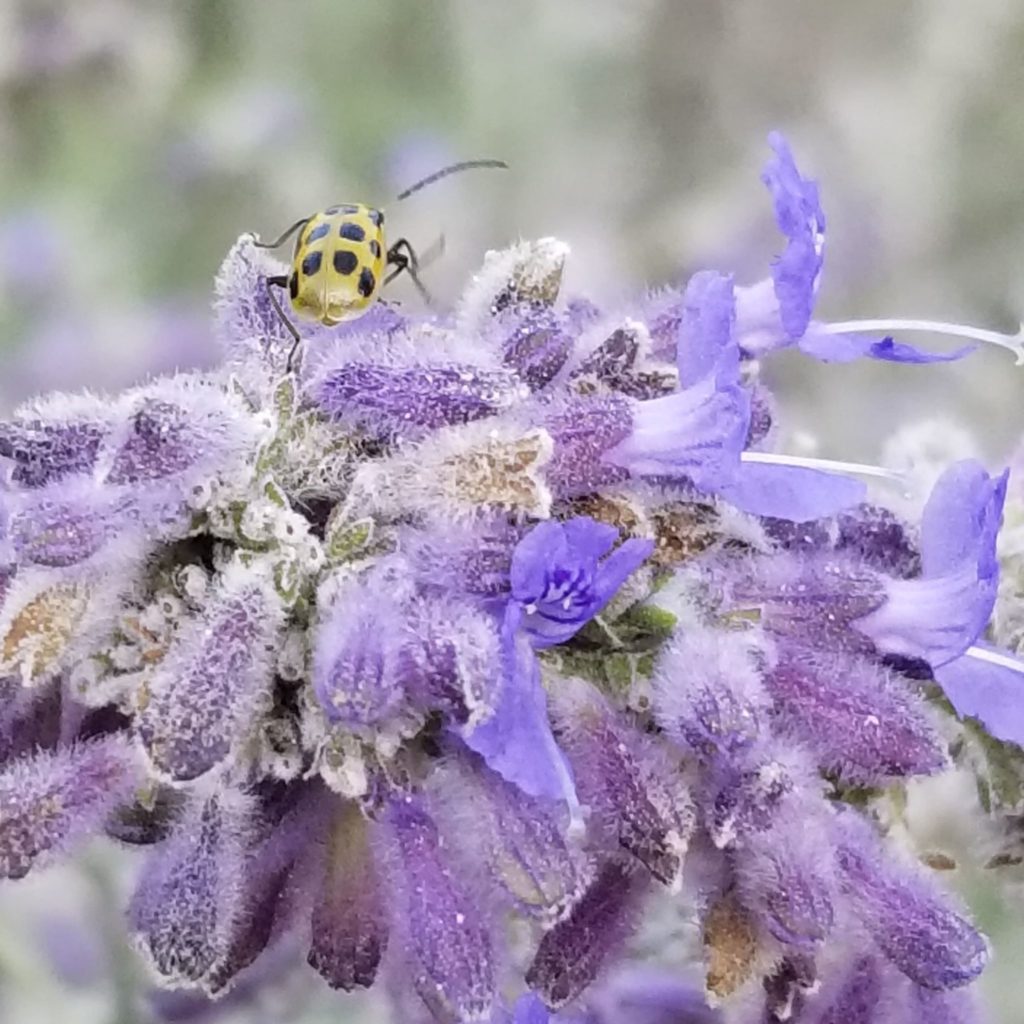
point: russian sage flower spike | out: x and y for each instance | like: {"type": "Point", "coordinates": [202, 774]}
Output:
{"type": "Point", "coordinates": [492, 653]}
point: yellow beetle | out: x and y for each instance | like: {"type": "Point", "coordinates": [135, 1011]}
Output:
{"type": "Point", "coordinates": [340, 260]}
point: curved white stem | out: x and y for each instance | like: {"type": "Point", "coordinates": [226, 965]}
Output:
{"type": "Point", "coordinates": [826, 465]}
{"type": "Point", "coordinates": [1012, 342]}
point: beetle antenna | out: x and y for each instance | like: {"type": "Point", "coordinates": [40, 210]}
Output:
{"type": "Point", "coordinates": [466, 165]}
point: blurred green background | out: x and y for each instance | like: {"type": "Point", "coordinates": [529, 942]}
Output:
{"type": "Point", "coordinates": [139, 138]}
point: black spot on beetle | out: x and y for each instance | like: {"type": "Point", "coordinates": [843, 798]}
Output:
{"type": "Point", "coordinates": [352, 231]}
{"type": "Point", "coordinates": [317, 233]}
{"type": "Point", "coordinates": [311, 263]}
{"type": "Point", "coordinates": [293, 285]}
{"type": "Point", "coordinates": [367, 282]}
{"type": "Point", "coordinates": [376, 217]}
{"type": "Point", "coordinates": [375, 248]}
{"type": "Point", "coordinates": [345, 262]}
{"type": "Point", "coordinates": [343, 208]}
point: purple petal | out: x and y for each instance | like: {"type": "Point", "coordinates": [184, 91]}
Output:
{"type": "Point", "coordinates": [697, 434]}
{"type": "Point", "coordinates": [541, 550]}
{"type": "Point", "coordinates": [516, 741]}
{"type": "Point", "coordinates": [618, 567]}
{"type": "Point", "coordinates": [791, 492]}
{"type": "Point", "coordinates": [800, 218]}
{"type": "Point", "coordinates": [530, 1010]}
{"type": "Point", "coordinates": [961, 519]}
{"type": "Point", "coordinates": [588, 538]}
{"type": "Point", "coordinates": [990, 689]}
{"type": "Point", "coordinates": [899, 352]}
{"type": "Point", "coordinates": [704, 344]}
{"type": "Point", "coordinates": [934, 619]}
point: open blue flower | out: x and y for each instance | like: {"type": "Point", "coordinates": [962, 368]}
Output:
{"type": "Point", "coordinates": [563, 575]}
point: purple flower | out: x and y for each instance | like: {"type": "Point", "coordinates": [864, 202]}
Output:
{"type": "Point", "coordinates": [516, 739]}
{"type": "Point", "coordinates": [938, 616]}
{"type": "Point", "coordinates": [707, 354]}
{"type": "Point", "coordinates": [776, 313]}
{"type": "Point", "coordinates": [987, 684]}
{"type": "Point", "coordinates": [564, 573]}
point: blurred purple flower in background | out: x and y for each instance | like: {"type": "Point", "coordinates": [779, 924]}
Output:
{"type": "Point", "coordinates": [510, 615]}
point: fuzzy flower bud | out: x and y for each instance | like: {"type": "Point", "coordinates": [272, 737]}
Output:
{"type": "Point", "coordinates": [51, 801]}
{"type": "Point", "coordinates": [205, 693]}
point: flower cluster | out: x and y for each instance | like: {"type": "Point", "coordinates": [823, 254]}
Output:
{"type": "Point", "coordinates": [457, 652]}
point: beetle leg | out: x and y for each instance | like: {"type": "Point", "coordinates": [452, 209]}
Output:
{"type": "Point", "coordinates": [403, 257]}
{"type": "Point", "coordinates": [281, 281]}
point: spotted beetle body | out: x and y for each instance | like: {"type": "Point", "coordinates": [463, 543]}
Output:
{"type": "Point", "coordinates": [338, 264]}
{"type": "Point", "coordinates": [340, 260]}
